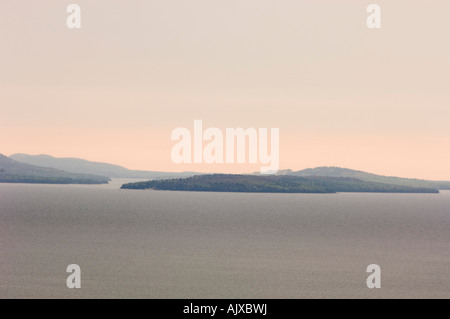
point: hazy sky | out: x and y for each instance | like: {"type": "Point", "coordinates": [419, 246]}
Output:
{"type": "Point", "coordinates": [340, 93]}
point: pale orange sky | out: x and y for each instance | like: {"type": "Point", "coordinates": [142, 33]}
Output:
{"type": "Point", "coordinates": [341, 94]}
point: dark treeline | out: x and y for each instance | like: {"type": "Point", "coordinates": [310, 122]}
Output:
{"type": "Point", "coordinates": [47, 180]}
{"type": "Point", "coordinates": [273, 184]}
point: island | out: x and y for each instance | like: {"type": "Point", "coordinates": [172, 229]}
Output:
{"type": "Point", "coordinates": [273, 184]}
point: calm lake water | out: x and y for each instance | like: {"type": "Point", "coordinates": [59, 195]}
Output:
{"type": "Point", "coordinates": [156, 244]}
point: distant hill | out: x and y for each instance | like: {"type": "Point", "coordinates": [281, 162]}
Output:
{"type": "Point", "coordinates": [273, 184]}
{"type": "Point", "coordinates": [81, 166]}
{"type": "Point", "coordinates": [345, 172]}
{"type": "Point", "coordinates": [12, 171]}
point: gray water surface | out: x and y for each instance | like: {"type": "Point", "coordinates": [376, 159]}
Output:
{"type": "Point", "coordinates": [159, 244]}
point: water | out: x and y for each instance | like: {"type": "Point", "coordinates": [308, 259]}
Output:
{"type": "Point", "coordinates": [157, 244]}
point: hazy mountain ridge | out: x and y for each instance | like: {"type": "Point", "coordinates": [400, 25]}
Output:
{"type": "Point", "coordinates": [12, 171]}
{"type": "Point", "coordinates": [369, 177]}
{"type": "Point", "coordinates": [81, 166]}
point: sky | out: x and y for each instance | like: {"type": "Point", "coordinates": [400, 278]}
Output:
{"type": "Point", "coordinates": [340, 93]}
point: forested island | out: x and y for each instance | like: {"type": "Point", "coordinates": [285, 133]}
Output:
{"type": "Point", "coordinates": [273, 184]}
